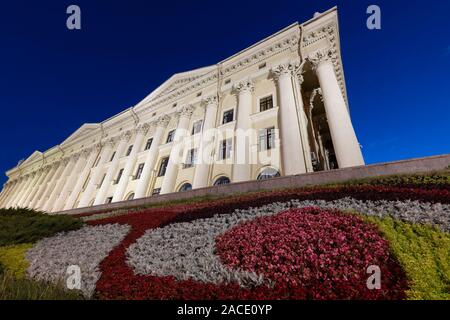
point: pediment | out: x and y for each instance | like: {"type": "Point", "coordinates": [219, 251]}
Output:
{"type": "Point", "coordinates": [34, 156]}
{"type": "Point", "coordinates": [177, 81]}
{"type": "Point", "coordinates": [84, 130]}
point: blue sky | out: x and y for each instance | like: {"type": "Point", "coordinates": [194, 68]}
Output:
{"type": "Point", "coordinates": [53, 80]}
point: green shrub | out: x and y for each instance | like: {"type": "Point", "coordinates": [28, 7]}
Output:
{"type": "Point", "coordinates": [441, 178]}
{"type": "Point", "coordinates": [27, 226]}
{"type": "Point", "coordinates": [424, 253]}
{"type": "Point", "coordinates": [24, 289]}
{"type": "Point", "coordinates": [12, 259]}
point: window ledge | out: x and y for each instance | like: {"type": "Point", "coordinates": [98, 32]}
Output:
{"type": "Point", "coordinates": [264, 115]}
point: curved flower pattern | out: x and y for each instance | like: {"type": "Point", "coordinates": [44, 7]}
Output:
{"type": "Point", "coordinates": [311, 252]}
{"type": "Point", "coordinates": [86, 248]}
{"type": "Point", "coordinates": [171, 252]}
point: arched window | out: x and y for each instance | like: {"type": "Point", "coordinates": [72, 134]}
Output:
{"type": "Point", "coordinates": [186, 187]}
{"type": "Point", "coordinates": [268, 173]}
{"type": "Point", "coordinates": [130, 196]}
{"type": "Point", "coordinates": [222, 180]}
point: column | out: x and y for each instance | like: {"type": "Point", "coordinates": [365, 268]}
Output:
{"type": "Point", "coordinates": [43, 172]}
{"type": "Point", "coordinates": [141, 131]}
{"type": "Point", "coordinates": [94, 180]}
{"type": "Point", "coordinates": [242, 166]}
{"type": "Point", "coordinates": [345, 143]}
{"type": "Point", "coordinates": [207, 142]}
{"type": "Point", "coordinates": [170, 177]}
{"type": "Point", "coordinates": [15, 192]}
{"type": "Point", "coordinates": [70, 181]}
{"type": "Point", "coordinates": [6, 189]}
{"type": "Point", "coordinates": [152, 155]}
{"type": "Point", "coordinates": [51, 183]}
{"type": "Point", "coordinates": [25, 190]}
{"type": "Point", "coordinates": [7, 192]}
{"type": "Point", "coordinates": [50, 172]}
{"type": "Point", "coordinates": [101, 195]}
{"type": "Point", "coordinates": [292, 152]}
{"type": "Point", "coordinates": [81, 179]}
{"type": "Point", "coordinates": [54, 195]}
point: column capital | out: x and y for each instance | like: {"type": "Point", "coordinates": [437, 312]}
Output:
{"type": "Point", "coordinates": [86, 152]}
{"type": "Point", "coordinates": [74, 157]}
{"type": "Point", "coordinates": [97, 147]}
{"type": "Point", "coordinates": [288, 68]}
{"type": "Point", "coordinates": [246, 85]}
{"type": "Point", "coordinates": [321, 56]}
{"type": "Point", "coordinates": [185, 111]}
{"type": "Point", "coordinates": [55, 164]}
{"type": "Point", "coordinates": [210, 101]}
{"type": "Point", "coordinates": [111, 142]}
{"type": "Point", "coordinates": [162, 121]}
{"type": "Point", "coordinates": [143, 128]}
{"type": "Point", "coordinates": [126, 136]}
{"type": "Point", "coordinates": [65, 161]}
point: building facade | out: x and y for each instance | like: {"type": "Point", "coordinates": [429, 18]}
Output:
{"type": "Point", "coordinates": [276, 108]}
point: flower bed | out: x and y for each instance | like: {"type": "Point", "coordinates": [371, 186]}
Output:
{"type": "Point", "coordinates": [314, 253]}
{"type": "Point", "coordinates": [284, 244]}
{"type": "Point", "coordinates": [86, 248]}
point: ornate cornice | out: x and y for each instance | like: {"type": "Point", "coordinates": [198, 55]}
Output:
{"type": "Point", "coordinates": [331, 53]}
{"type": "Point", "coordinates": [290, 41]}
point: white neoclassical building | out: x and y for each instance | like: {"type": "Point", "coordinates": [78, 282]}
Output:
{"type": "Point", "coordinates": [278, 107]}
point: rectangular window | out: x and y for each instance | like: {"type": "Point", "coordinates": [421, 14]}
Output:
{"type": "Point", "coordinates": [228, 116]}
{"type": "Point", "coordinates": [139, 171]}
{"type": "Point", "coordinates": [156, 191]}
{"type": "Point", "coordinates": [170, 136]}
{"type": "Point", "coordinates": [148, 144]}
{"type": "Point", "coordinates": [266, 103]}
{"type": "Point", "coordinates": [266, 139]}
{"type": "Point", "coordinates": [119, 176]}
{"type": "Point", "coordinates": [112, 157]}
{"type": "Point", "coordinates": [197, 127]}
{"type": "Point", "coordinates": [109, 200]}
{"type": "Point", "coordinates": [163, 166]}
{"type": "Point", "coordinates": [101, 182]}
{"type": "Point", "coordinates": [191, 158]}
{"type": "Point", "coordinates": [225, 149]}
{"type": "Point", "coordinates": [130, 148]}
